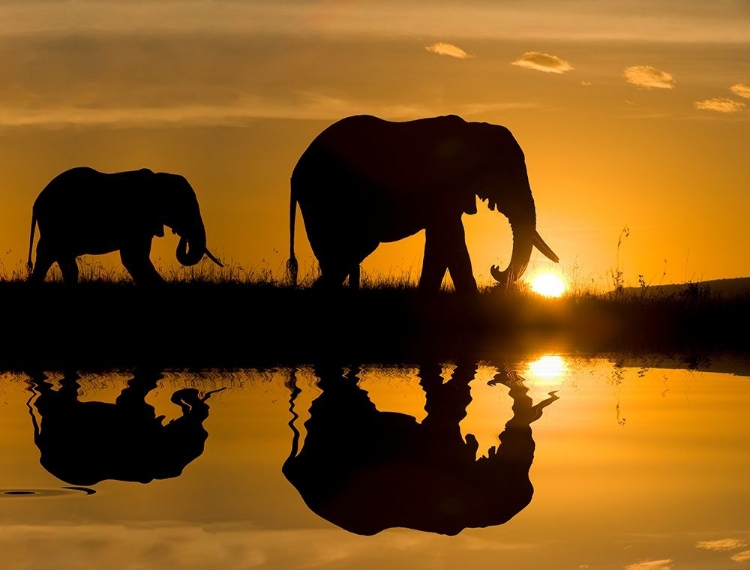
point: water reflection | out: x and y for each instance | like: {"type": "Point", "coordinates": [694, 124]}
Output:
{"type": "Point", "coordinates": [86, 442]}
{"type": "Point", "coordinates": [367, 470]}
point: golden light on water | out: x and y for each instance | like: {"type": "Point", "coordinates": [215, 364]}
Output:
{"type": "Point", "coordinates": [548, 369]}
{"type": "Point", "coordinates": [548, 285]}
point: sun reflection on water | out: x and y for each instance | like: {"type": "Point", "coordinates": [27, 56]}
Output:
{"type": "Point", "coordinates": [548, 370]}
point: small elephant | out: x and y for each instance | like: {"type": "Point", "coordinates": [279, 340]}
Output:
{"type": "Point", "coordinates": [364, 181]}
{"type": "Point", "coordinates": [84, 211]}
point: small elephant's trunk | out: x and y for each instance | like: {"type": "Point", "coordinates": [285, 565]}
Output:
{"type": "Point", "coordinates": [192, 247]}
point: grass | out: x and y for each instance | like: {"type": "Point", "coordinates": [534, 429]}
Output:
{"type": "Point", "coordinates": [211, 317]}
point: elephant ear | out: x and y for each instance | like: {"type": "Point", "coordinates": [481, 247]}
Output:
{"type": "Point", "coordinates": [154, 225]}
{"type": "Point", "coordinates": [151, 216]}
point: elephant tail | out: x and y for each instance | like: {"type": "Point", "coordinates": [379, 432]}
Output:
{"type": "Point", "coordinates": [29, 264]}
{"type": "Point", "coordinates": [291, 383]}
{"type": "Point", "coordinates": [291, 265]}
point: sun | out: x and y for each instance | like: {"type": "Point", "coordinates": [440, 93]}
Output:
{"type": "Point", "coordinates": [548, 285]}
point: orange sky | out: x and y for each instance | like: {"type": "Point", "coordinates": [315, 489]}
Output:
{"type": "Point", "coordinates": [630, 116]}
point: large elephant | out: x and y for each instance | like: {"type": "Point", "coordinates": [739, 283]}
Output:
{"type": "Point", "coordinates": [86, 442]}
{"type": "Point", "coordinates": [367, 470]}
{"type": "Point", "coordinates": [364, 181]}
{"type": "Point", "coordinates": [84, 211]}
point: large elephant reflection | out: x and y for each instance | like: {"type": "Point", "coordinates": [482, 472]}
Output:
{"type": "Point", "coordinates": [367, 470]}
{"type": "Point", "coordinates": [85, 442]}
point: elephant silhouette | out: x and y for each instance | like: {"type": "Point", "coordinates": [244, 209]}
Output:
{"type": "Point", "coordinates": [84, 211]}
{"type": "Point", "coordinates": [84, 443]}
{"type": "Point", "coordinates": [364, 181]}
{"type": "Point", "coordinates": [367, 470]}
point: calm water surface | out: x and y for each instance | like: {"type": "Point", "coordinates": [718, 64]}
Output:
{"type": "Point", "coordinates": [603, 464]}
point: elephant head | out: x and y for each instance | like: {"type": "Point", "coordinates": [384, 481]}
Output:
{"type": "Point", "coordinates": [181, 212]}
{"type": "Point", "coordinates": [508, 190]}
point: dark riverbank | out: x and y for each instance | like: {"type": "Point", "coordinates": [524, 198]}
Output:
{"type": "Point", "coordinates": [227, 325]}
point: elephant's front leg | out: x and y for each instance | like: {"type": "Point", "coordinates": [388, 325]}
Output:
{"type": "Point", "coordinates": [445, 249]}
{"type": "Point", "coordinates": [69, 269]}
{"type": "Point", "coordinates": [135, 257]}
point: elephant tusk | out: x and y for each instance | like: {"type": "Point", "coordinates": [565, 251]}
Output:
{"type": "Point", "coordinates": [214, 259]}
{"type": "Point", "coordinates": [207, 395]}
{"type": "Point", "coordinates": [544, 248]}
{"type": "Point", "coordinates": [501, 277]}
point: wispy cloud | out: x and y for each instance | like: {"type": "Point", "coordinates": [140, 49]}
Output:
{"type": "Point", "coordinates": [665, 564]}
{"type": "Point", "coordinates": [160, 544]}
{"type": "Point", "coordinates": [542, 62]}
{"type": "Point", "coordinates": [741, 89]}
{"type": "Point", "coordinates": [635, 20]}
{"type": "Point", "coordinates": [442, 48]}
{"type": "Point", "coordinates": [743, 556]}
{"type": "Point", "coordinates": [190, 545]}
{"type": "Point", "coordinates": [648, 77]}
{"type": "Point", "coordinates": [720, 105]}
{"type": "Point", "coordinates": [721, 544]}
{"type": "Point", "coordinates": [306, 107]}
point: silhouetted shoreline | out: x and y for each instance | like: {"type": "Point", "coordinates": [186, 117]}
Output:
{"type": "Point", "coordinates": [226, 325]}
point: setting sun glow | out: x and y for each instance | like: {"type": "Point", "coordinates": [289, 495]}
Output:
{"type": "Point", "coordinates": [548, 285]}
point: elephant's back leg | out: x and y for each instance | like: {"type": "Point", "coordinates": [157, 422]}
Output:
{"type": "Point", "coordinates": [339, 242]}
{"type": "Point", "coordinates": [336, 206]}
{"type": "Point", "coordinates": [45, 257]}
{"type": "Point", "coordinates": [342, 259]}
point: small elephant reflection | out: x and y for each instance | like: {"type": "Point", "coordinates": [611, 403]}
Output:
{"type": "Point", "coordinates": [84, 443]}
{"type": "Point", "coordinates": [367, 470]}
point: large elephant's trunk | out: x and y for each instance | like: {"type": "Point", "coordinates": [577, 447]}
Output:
{"type": "Point", "coordinates": [524, 233]}
{"type": "Point", "coordinates": [522, 218]}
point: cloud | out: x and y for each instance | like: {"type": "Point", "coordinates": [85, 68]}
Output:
{"type": "Point", "coordinates": [186, 545]}
{"type": "Point", "coordinates": [637, 20]}
{"type": "Point", "coordinates": [665, 564]}
{"type": "Point", "coordinates": [133, 81]}
{"type": "Point", "coordinates": [743, 556]}
{"type": "Point", "coordinates": [442, 48]}
{"type": "Point", "coordinates": [721, 544]}
{"type": "Point", "coordinates": [162, 544]}
{"type": "Point", "coordinates": [307, 106]}
{"type": "Point", "coordinates": [648, 77]}
{"type": "Point", "coordinates": [741, 89]}
{"type": "Point", "coordinates": [585, 83]}
{"type": "Point", "coordinates": [720, 104]}
{"type": "Point", "coordinates": [542, 62]}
